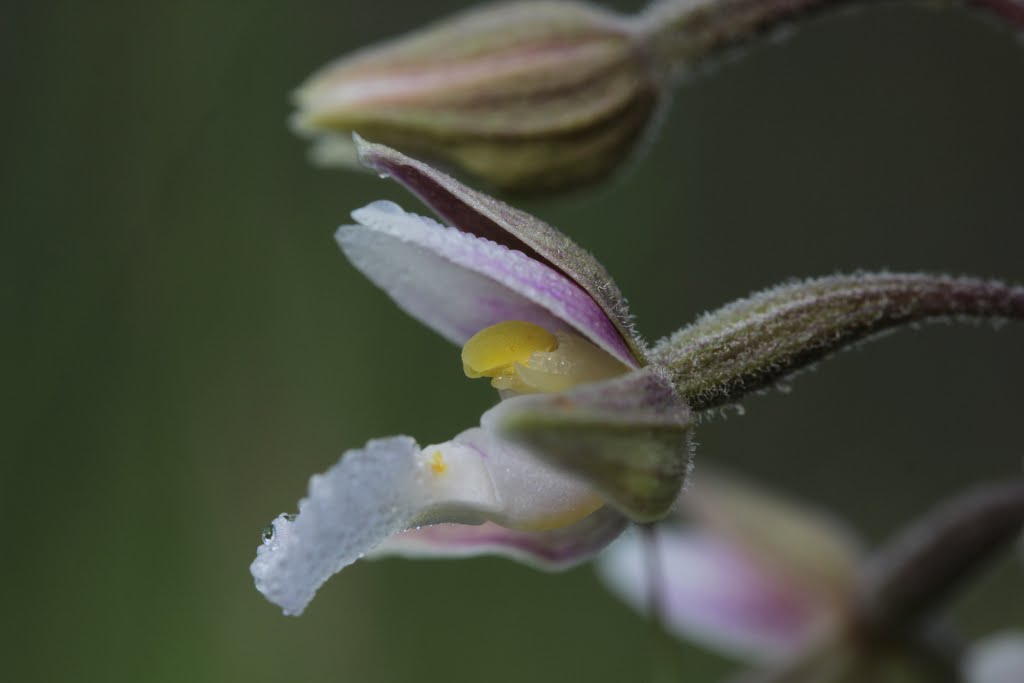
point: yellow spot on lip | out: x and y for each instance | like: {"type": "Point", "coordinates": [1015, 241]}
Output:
{"type": "Point", "coordinates": [437, 463]}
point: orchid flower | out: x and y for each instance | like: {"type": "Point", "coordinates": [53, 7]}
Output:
{"type": "Point", "coordinates": [593, 427]}
{"type": "Point", "coordinates": [587, 433]}
{"type": "Point", "coordinates": [789, 588]}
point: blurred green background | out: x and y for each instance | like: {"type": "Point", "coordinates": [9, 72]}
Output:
{"type": "Point", "coordinates": [184, 344]}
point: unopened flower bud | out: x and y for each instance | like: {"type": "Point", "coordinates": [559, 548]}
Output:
{"type": "Point", "coordinates": [528, 96]}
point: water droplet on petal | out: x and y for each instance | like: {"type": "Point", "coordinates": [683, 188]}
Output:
{"type": "Point", "coordinates": [268, 533]}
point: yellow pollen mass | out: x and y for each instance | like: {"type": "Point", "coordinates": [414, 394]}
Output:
{"type": "Point", "coordinates": [437, 463]}
{"type": "Point", "coordinates": [495, 350]}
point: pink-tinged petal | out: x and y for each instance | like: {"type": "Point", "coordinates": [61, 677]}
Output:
{"type": "Point", "coordinates": [795, 539]}
{"type": "Point", "coordinates": [478, 214]}
{"type": "Point", "coordinates": [553, 550]}
{"type": "Point", "coordinates": [998, 658]}
{"type": "Point", "coordinates": [458, 284]}
{"type": "Point", "coordinates": [712, 593]}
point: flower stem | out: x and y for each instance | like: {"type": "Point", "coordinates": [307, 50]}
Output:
{"type": "Point", "coordinates": [755, 342]}
{"type": "Point", "coordinates": [682, 34]}
{"type": "Point", "coordinates": [923, 564]}
{"type": "Point", "coordinates": [665, 667]}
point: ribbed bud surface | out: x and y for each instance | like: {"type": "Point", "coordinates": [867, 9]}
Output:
{"type": "Point", "coordinates": [527, 96]}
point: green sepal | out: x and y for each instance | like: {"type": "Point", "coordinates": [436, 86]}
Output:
{"type": "Point", "coordinates": [627, 437]}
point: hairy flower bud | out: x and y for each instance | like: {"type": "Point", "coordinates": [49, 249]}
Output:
{"type": "Point", "coordinates": [528, 96]}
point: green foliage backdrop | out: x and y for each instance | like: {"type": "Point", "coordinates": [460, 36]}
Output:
{"type": "Point", "coordinates": [184, 344]}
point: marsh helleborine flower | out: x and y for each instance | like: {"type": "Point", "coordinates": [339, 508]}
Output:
{"type": "Point", "coordinates": [588, 434]}
{"type": "Point", "coordinates": [527, 96]}
{"type": "Point", "coordinates": [593, 429]}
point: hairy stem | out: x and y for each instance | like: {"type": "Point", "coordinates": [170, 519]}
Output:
{"type": "Point", "coordinates": [755, 342]}
{"type": "Point", "coordinates": [684, 33]}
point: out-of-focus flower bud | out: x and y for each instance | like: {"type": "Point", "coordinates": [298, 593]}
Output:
{"type": "Point", "coordinates": [527, 96]}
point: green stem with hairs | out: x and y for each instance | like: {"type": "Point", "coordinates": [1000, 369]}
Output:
{"type": "Point", "coordinates": [753, 343]}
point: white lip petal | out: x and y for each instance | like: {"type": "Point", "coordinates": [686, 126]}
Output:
{"type": "Point", "coordinates": [306, 550]}
{"type": "Point", "coordinates": [392, 485]}
{"type": "Point", "coordinates": [371, 493]}
{"type": "Point", "coordinates": [458, 284]}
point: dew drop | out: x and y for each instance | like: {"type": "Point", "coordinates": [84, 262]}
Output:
{"type": "Point", "coordinates": [269, 531]}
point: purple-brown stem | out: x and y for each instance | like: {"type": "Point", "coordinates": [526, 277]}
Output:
{"type": "Point", "coordinates": [685, 33]}
{"type": "Point", "coordinates": [918, 569]}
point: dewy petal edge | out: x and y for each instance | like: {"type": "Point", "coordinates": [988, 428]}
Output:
{"type": "Point", "coordinates": [521, 478]}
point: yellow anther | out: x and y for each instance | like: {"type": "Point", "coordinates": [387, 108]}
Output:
{"type": "Point", "coordinates": [437, 463]}
{"type": "Point", "coordinates": [495, 350]}
{"type": "Point", "coordinates": [522, 358]}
